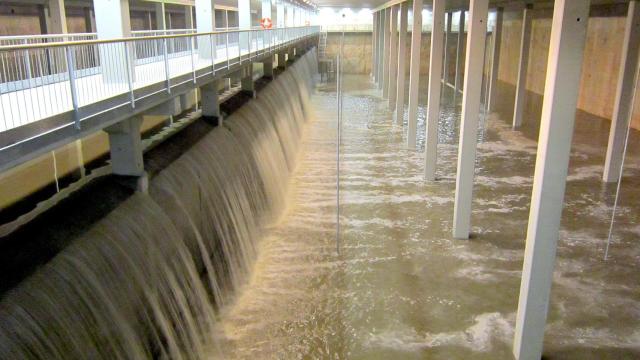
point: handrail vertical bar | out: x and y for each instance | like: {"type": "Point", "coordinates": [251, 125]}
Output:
{"type": "Point", "coordinates": [166, 66]}
{"type": "Point", "coordinates": [214, 51]}
{"type": "Point", "coordinates": [72, 86]}
{"type": "Point", "coordinates": [191, 51]}
{"type": "Point", "coordinates": [127, 65]}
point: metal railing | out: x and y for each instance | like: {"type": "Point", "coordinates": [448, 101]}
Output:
{"type": "Point", "coordinates": [38, 81]}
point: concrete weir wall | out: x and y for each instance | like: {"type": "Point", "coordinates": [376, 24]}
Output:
{"type": "Point", "coordinates": [599, 73]}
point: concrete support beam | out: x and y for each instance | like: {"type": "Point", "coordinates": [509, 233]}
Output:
{"type": "Point", "coordinates": [385, 53]}
{"type": "Point", "coordinates": [280, 19]}
{"type": "Point", "coordinates": [566, 50]}
{"type": "Point", "coordinates": [495, 56]}
{"type": "Point", "coordinates": [188, 100]}
{"type": "Point", "coordinates": [623, 107]}
{"type": "Point", "coordinates": [380, 49]}
{"type": "Point", "coordinates": [393, 57]}
{"type": "Point", "coordinates": [282, 60]}
{"type": "Point", "coordinates": [126, 147]}
{"type": "Point", "coordinates": [172, 107]}
{"type": "Point", "coordinates": [447, 36]}
{"type": "Point", "coordinates": [205, 22]}
{"type": "Point", "coordinates": [161, 20]}
{"type": "Point", "coordinates": [374, 52]}
{"type": "Point", "coordinates": [188, 16]}
{"type": "Point", "coordinates": [521, 80]}
{"type": "Point", "coordinates": [414, 73]}
{"type": "Point", "coordinates": [210, 102]}
{"type": "Point", "coordinates": [113, 22]}
{"type": "Point", "coordinates": [402, 54]}
{"type": "Point", "coordinates": [246, 81]}
{"type": "Point", "coordinates": [56, 17]}
{"type": "Point", "coordinates": [267, 67]}
{"type": "Point", "coordinates": [459, 59]}
{"type": "Point", "coordinates": [478, 11]}
{"type": "Point", "coordinates": [435, 74]}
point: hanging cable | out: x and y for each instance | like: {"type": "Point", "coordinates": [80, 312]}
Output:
{"type": "Point", "coordinates": [338, 140]}
{"type": "Point", "coordinates": [624, 155]}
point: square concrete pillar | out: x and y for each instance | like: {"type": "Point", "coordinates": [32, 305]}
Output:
{"type": "Point", "coordinates": [267, 66]}
{"type": "Point", "coordinates": [56, 19]}
{"type": "Point", "coordinates": [210, 102]}
{"type": "Point", "coordinates": [414, 73]}
{"type": "Point", "coordinates": [126, 147]}
{"type": "Point", "coordinates": [246, 81]}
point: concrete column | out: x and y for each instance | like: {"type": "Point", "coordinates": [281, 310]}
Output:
{"type": "Point", "coordinates": [623, 109]}
{"type": "Point", "coordinates": [380, 49]}
{"type": "Point", "coordinates": [266, 9]}
{"type": "Point", "coordinates": [495, 62]}
{"type": "Point", "coordinates": [521, 80]}
{"type": "Point", "coordinates": [414, 73]}
{"type": "Point", "coordinates": [566, 50]}
{"type": "Point", "coordinates": [402, 54]}
{"type": "Point", "coordinates": [113, 22]}
{"type": "Point", "coordinates": [374, 52]}
{"type": "Point", "coordinates": [267, 66]}
{"type": "Point", "coordinates": [447, 36]}
{"type": "Point", "coordinates": [205, 22]}
{"type": "Point", "coordinates": [393, 57]}
{"type": "Point", "coordinates": [435, 74]}
{"type": "Point", "coordinates": [385, 53]}
{"type": "Point", "coordinates": [478, 12]}
{"type": "Point", "coordinates": [280, 20]}
{"type": "Point", "coordinates": [56, 17]}
{"type": "Point", "coordinates": [126, 147]}
{"type": "Point", "coordinates": [289, 16]}
{"type": "Point", "coordinates": [188, 16]}
{"type": "Point", "coordinates": [161, 22]}
{"type": "Point", "coordinates": [246, 81]}
{"type": "Point", "coordinates": [459, 59]}
{"type": "Point", "coordinates": [244, 22]}
{"type": "Point", "coordinates": [210, 102]}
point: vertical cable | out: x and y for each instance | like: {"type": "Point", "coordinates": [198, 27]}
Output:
{"type": "Point", "coordinates": [339, 95]}
{"type": "Point", "coordinates": [624, 156]}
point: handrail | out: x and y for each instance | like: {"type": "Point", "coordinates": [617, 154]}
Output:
{"type": "Point", "coordinates": [44, 36]}
{"type": "Point", "coordinates": [133, 39]}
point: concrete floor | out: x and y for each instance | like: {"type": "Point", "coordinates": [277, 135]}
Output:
{"type": "Point", "coordinates": [402, 287]}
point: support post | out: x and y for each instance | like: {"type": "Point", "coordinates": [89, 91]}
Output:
{"type": "Point", "coordinates": [521, 80]}
{"type": "Point", "coordinates": [495, 56]}
{"type": "Point", "coordinates": [282, 60]}
{"type": "Point", "coordinates": [188, 17]}
{"type": "Point", "coordinates": [478, 12]}
{"type": "Point", "coordinates": [161, 22]}
{"type": "Point", "coordinates": [267, 67]}
{"type": "Point", "coordinates": [246, 81]}
{"type": "Point", "coordinates": [385, 52]}
{"type": "Point", "coordinates": [566, 50]}
{"type": "Point", "coordinates": [380, 49]}
{"type": "Point", "coordinates": [205, 23]}
{"type": "Point", "coordinates": [393, 57]}
{"type": "Point", "coordinates": [459, 59]}
{"type": "Point", "coordinates": [113, 22]}
{"type": "Point", "coordinates": [210, 102]}
{"type": "Point", "coordinates": [623, 109]}
{"type": "Point", "coordinates": [374, 52]}
{"type": "Point", "coordinates": [414, 73]}
{"type": "Point", "coordinates": [447, 36]}
{"type": "Point", "coordinates": [126, 147]}
{"type": "Point", "coordinates": [402, 55]}
{"type": "Point", "coordinates": [435, 74]}
{"type": "Point", "coordinates": [56, 17]}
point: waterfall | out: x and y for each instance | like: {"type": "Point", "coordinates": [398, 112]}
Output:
{"type": "Point", "coordinates": [147, 280]}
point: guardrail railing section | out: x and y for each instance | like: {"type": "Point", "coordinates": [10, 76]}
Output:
{"type": "Point", "coordinates": [41, 79]}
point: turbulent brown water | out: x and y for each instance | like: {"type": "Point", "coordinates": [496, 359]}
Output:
{"type": "Point", "coordinates": [148, 280]}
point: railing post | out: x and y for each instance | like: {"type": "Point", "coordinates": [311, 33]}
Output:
{"type": "Point", "coordinates": [193, 65]}
{"type": "Point", "coordinates": [129, 77]}
{"type": "Point", "coordinates": [227, 48]}
{"type": "Point", "coordinates": [72, 86]}
{"type": "Point", "coordinates": [214, 51]}
{"type": "Point", "coordinates": [166, 65]}
{"type": "Point", "coordinates": [27, 61]}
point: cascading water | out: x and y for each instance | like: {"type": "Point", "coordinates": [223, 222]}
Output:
{"type": "Point", "coordinates": [145, 281]}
